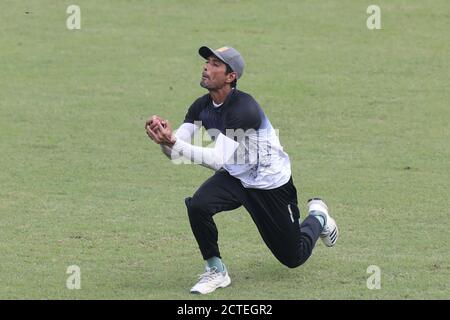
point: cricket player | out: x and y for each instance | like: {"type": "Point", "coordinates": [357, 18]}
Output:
{"type": "Point", "coordinates": [251, 170]}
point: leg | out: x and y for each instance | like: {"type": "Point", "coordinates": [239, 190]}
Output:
{"type": "Point", "coordinates": [276, 214]}
{"type": "Point", "coordinates": [219, 193]}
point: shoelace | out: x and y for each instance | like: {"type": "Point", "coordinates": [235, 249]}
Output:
{"type": "Point", "coordinates": [207, 276]}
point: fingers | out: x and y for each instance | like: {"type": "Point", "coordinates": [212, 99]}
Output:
{"type": "Point", "coordinates": [158, 130]}
{"type": "Point", "coordinates": [166, 124]}
{"type": "Point", "coordinates": [150, 134]}
{"type": "Point", "coordinates": [161, 133]}
{"type": "Point", "coordinates": [154, 125]}
{"type": "Point", "coordinates": [166, 134]}
{"type": "Point", "coordinates": [153, 122]}
{"type": "Point", "coordinates": [164, 131]}
{"type": "Point", "coordinates": [149, 121]}
{"type": "Point", "coordinates": [153, 135]}
{"type": "Point", "coordinates": [153, 119]}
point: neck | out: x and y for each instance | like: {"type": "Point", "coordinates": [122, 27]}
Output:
{"type": "Point", "coordinates": [219, 95]}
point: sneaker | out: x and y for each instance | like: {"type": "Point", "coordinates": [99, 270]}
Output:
{"type": "Point", "coordinates": [330, 232]}
{"type": "Point", "coordinates": [211, 280]}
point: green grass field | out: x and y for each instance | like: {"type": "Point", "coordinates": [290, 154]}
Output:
{"type": "Point", "coordinates": [364, 115]}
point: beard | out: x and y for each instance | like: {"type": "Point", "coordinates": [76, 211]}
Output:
{"type": "Point", "coordinates": [203, 85]}
{"type": "Point", "coordinates": [209, 86]}
{"type": "Point", "coordinates": [206, 86]}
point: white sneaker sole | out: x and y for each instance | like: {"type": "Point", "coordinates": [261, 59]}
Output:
{"type": "Point", "coordinates": [225, 283]}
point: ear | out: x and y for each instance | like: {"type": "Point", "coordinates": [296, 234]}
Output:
{"type": "Point", "coordinates": [231, 77]}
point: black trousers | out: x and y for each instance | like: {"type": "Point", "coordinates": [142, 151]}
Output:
{"type": "Point", "coordinates": [275, 213]}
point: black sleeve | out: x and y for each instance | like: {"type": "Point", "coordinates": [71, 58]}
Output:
{"type": "Point", "coordinates": [245, 115]}
{"type": "Point", "coordinates": [194, 110]}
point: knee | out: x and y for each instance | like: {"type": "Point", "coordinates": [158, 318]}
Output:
{"type": "Point", "coordinates": [292, 261]}
{"type": "Point", "coordinates": [195, 205]}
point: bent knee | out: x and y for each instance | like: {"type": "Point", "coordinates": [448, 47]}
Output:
{"type": "Point", "coordinates": [293, 261]}
{"type": "Point", "coordinates": [195, 204]}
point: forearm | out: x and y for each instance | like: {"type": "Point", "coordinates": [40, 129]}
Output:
{"type": "Point", "coordinates": [167, 151]}
{"type": "Point", "coordinates": [184, 132]}
{"type": "Point", "coordinates": [198, 155]}
{"type": "Point", "coordinates": [213, 158]}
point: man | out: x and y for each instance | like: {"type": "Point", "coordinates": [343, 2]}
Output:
{"type": "Point", "coordinates": [251, 169]}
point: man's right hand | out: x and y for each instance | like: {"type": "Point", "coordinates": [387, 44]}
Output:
{"type": "Point", "coordinates": [159, 130]}
{"type": "Point", "coordinates": [151, 125]}
{"type": "Point", "coordinates": [154, 121]}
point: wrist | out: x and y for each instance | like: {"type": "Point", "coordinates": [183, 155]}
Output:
{"type": "Point", "coordinates": [173, 140]}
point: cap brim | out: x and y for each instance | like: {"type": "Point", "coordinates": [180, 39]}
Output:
{"type": "Point", "coordinates": [207, 52]}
